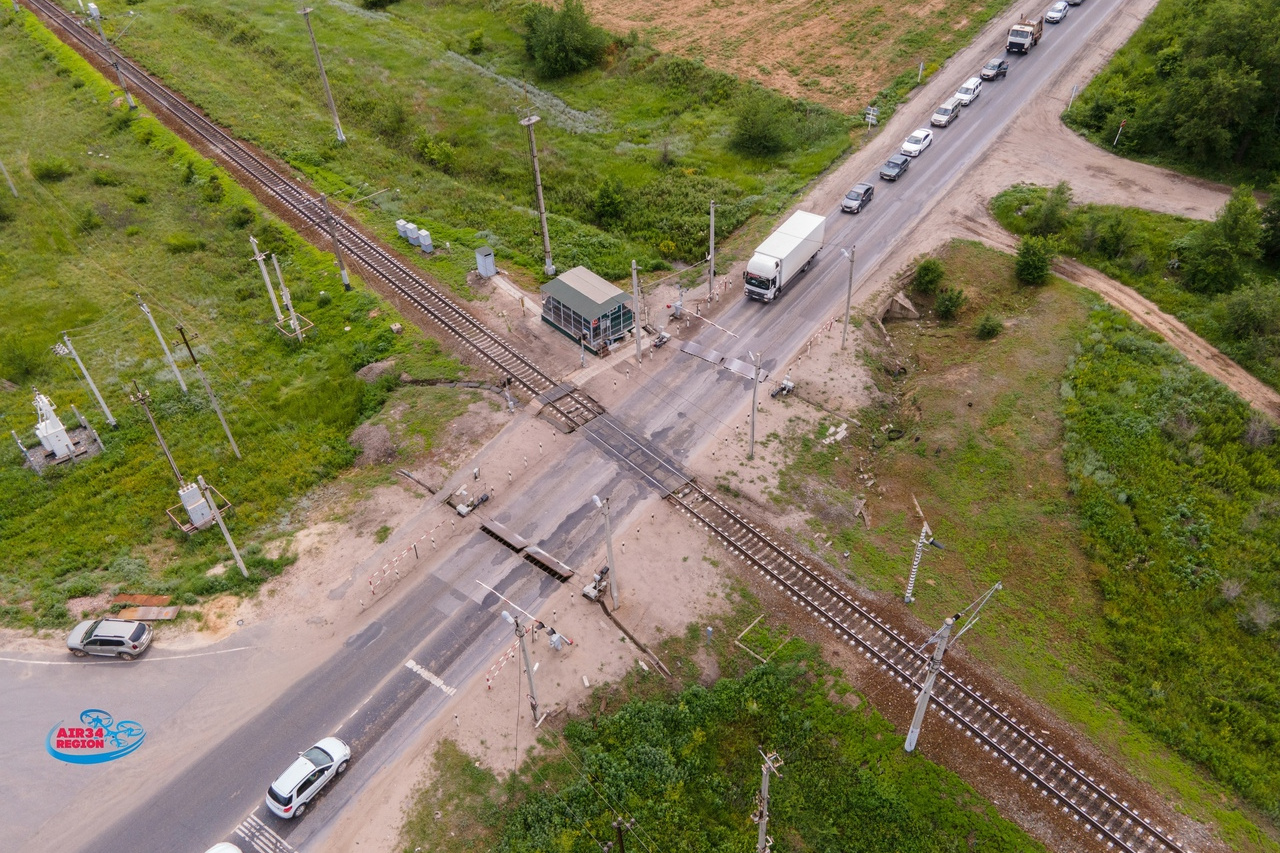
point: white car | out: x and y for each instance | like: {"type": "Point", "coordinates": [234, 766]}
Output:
{"type": "Point", "coordinates": [298, 785]}
{"type": "Point", "coordinates": [917, 142]}
{"type": "Point", "coordinates": [1056, 12]}
{"type": "Point", "coordinates": [969, 92]}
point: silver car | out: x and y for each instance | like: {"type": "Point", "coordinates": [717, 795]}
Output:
{"type": "Point", "coordinates": [111, 637]}
{"type": "Point", "coordinates": [304, 778]}
{"type": "Point", "coordinates": [1056, 12]}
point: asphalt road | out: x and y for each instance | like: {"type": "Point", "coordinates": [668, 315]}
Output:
{"type": "Point", "coordinates": [446, 623]}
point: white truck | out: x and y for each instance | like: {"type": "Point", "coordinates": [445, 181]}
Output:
{"type": "Point", "coordinates": [783, 255]}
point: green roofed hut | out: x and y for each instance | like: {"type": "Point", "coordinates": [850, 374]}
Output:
{"type": "Point", "coordinates": [585, 307]}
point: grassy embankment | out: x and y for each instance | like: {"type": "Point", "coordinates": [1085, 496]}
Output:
{"type": "Point", "coordinates": [111, 205]}
{"type": "Point", "coordinates": [681, 760]}
{"type": "Point", "coordinates": [1114, 492]}
{"type": "Point", "coordinates": [432, 112]}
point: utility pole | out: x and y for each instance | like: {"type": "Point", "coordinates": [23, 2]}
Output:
{"type": "Point", "coordinates": [612, 574]}
{"type": "Point", "coordinates": [12, 188]}
{"type": "Point", "coordinates": [66, 348]}
{"type": "Point", "coordinates": [635, 297]}
{"type": "Point", "coordinates": [208, 390]}
{"type": "Point", "coordinates": [771, 764]}
{"type": "Point", "coordinates": [222, 525]}
{"type": "Point", "coordinates": [266, 279]}
{"type": "Point", "coordinates": [168, 356]}
{"type": "Point", "coordinates": [848, 295]}
{"type": "Point", "coordinates": [111, 54]}
{"type": "Point", "coordinates": [142, 398]}
{"type": "Point", "coordinates": [755, 390]}
{"type": "Point", "coordinates": [548, 267]}
{"type": "Point", "coordinates": [528, 666]}
{"type": "Point", "coordinates": [337, 248]}
{"type": "Point", "coordinates": [711, 258]}
{"type": "Point", "coordinates": [305, 12]}
{"type": "Point", "coordinates": [619, 826]}
{"type": "Point", "coordinates": [926, 538]}
{"type": "Point", "coordinates": [970, 615]}
{"type": "Point", "coordinates": [293, 315]}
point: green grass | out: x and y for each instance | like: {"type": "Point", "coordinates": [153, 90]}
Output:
{"type": "Point", "coordinates": [986, 432]}
{"type": "Point", "coordinates": [682, 761]}
{"type": "Point", "coordinates": [175, 229]}
{"type": "Point", "coordinates": [1135, 246]}
{"type": "Point", "coordinates": [404, 84]}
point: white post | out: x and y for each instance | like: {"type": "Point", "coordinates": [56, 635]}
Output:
{"type": "Point", "coordinates": [271, 291]}
{"type": "Point", "coordinates": [87, 378]}
{"type": "Point", "coordinates": [12, 188]}
{"type": "Point", "coordinates": [922, 704]}
{"type": "Point", "coordinates": [324, 78]}
{"type": "Point", "coordinates": [635, 311]}
{"type": "Point", "coordinates": [217, 516]}
{"type": "Point", "coordinates": [168, 356]}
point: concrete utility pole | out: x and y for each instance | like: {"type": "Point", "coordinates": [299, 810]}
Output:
{"type": "Point", "coordinates": [142, 398]}
{"type": "Point", "coordinates": [66, 348]}
{"type": "Point", "coordinates": [771, 764]}
{"type": "Point", "coordinates": [324, 78]}
{"type": "Point", "coordinates": [711, 258]}
{"type": "Point", "coordinates": [293, 315]}
{"type": "Point", "coordinates": [168, 356]}
{"type": "Point", "coordinates": [548, 267]}
{"type": "Point", "coordinates": [970, 616]}
{"type": "Point", "coordinates": [635, 311]}
{"type": "Point", "coordinates": [12, 188]}
{"type": "Point", "coordinates": [266, 279]}
{"type": "Point", "coordinates": [848, 295]}
{"type": "Point", "coordinates": [755, 390]}
{"type": "Point", "coordinates": [222, 525]}
{"type": "Point", "coordinates": [208, 390]}
{"type": "Point", "coordinates": [528, 666]}
{"type": "Point", "coordinates": [612, 575]}
{"type": "Point", "coordinates": [337, 248]}
{"type": "Point", "coordinates": [111, 54]}
{"type": "Point", "coordinates": [926, 538]}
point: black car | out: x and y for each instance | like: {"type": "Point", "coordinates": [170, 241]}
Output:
{"type": "Point", "coordinates": [895, 167]}
{"type": "Point", "coordinates": [995, 68]}
{"type": "Point", "coordinates": [857, 198]}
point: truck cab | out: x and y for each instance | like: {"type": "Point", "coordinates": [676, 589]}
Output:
{"type": "Point", "coordinates": [1025, 35]}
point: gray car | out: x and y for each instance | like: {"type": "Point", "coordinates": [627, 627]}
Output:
{"type": "Point", "coordinates": [857, 198]}
{"type": "Point", "coordinates": [895, 167]}
{"type": "Point", "coordinates": [111, 637]}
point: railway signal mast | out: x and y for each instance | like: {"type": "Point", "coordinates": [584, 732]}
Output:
{"type": "Point", "coordinates": [966, 617]}
{"type": "Point", "coordinates": [111, 53]}
{"type": "Point", "coordinates": [926, 538]}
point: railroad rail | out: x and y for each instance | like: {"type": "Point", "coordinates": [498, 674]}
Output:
{"type": "Point", "coordinates": [570, 407]}
{"type": "Point", "coordinates": [1112, 821]}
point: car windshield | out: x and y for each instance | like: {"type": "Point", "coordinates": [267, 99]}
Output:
{"type": "Point", "coordinates": [944, 111]}
{"type": "Point", "coordinates": [854, 194]}
{"type": "Point", "coordinates": [915, 139]}
{"type": "Point", "coordinates": [756, 281]}
{"type": "Point", "coordinates": [992, 66]}
{"type": "Point", "coordinates": [318, 757]}
{"type": "Point", "coordinates": [966, 90]}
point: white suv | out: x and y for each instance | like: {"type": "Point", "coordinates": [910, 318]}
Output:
{"type": "Point", "coordinates": [969, 92]}
{"type": "Point", "coordinates": [298, 785]}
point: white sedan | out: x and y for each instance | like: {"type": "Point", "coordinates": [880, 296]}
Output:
{"type": "Point", "coordinates": [917, 142]}
{"type": "Point", "coordinates": [1056, 12]}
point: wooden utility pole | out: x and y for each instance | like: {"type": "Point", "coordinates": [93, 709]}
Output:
{"type": "Point", "coordinates": [208, 390]}
{"type": "Point", "coordinates": [143, 398]}
{"type": "Point", "coordinates": [771, 764]}
{"type": "Point", "coordinates": [168, 356]}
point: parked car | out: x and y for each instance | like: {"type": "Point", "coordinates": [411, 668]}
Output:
{"type": "Point", "coordinates": [223, 847]}
{"type": "Point", "coordinates": [895, 167]}
{"type": "Point", "coordinates": [298, 785]}
{"type": "Point", "coordinates": [995, 68]}
{"type": "Point", "coordinates": [1074, 2]}
{"type": "Point", "coordinates": [917, 142]}
{"type": "Point", "coordinates": [112, 637]}
{"type": "Point", "coordinates": [1056, 12]}
{"type": "Point", "coordinates": [969, 91]}
{"type": "Point", "coordinates": [946, 113]}
{"type": "Point", "coordinates": [857, 198]}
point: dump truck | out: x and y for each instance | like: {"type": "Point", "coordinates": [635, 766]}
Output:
{"type": "Point", "coordinates": [1025, 35]}
{"type": "Point", "coordinates": [783, 255]}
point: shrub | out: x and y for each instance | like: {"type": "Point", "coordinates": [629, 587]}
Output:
{"type": "Point", "coordinates": [609, 202]}
{"type": "Point", "coordinates": [183, 244]}
{"type": "Point", "coordinates": [51, 171]}
{"type": "Point", "coordinates": [1253, 311]}
{"type": "Point", "coordinates": [949, 303]}
{"type": "Point", "coordinates": [377, 4]}
{"type": "Point", "coordinates": [436, 153]}
{"type": "Point", "coordinates": [1035, 260]}
{"type": "Point", "coordinates": [475, 42]}
{"type": "Point", "coordinates": [989, 326]}
{"type": "Point", "coordinates": [106, 178]}
{"type": "Point", "coordinates": [88, 220]}
{"type": "Point", "coordinates": [761, 128]}
{"type": "Point", "coordinates": [564, 42]}
{"type": "Point", "coordinates": [929, 274]}
{"type": "Point", "coordinates": [7, 213]}
{"type": "Point", "coordinates": [137, 195]}
{"type": "Point", "coordinates": [1051, 216]}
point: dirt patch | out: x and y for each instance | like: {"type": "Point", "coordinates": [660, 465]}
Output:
{"type": "Point", "coordinates": [374, 441]}
{"type": "Point", "coordinates": [88, 606]}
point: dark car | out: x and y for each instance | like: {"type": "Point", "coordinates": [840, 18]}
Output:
{"type": "Point", "coordinates": [995, 68]}
{"type": "Point", "coordinates": [895, 167]}
{"type": "Point", "coordinates": [857, 198]}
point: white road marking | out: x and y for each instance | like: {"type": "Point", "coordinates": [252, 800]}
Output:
{"type": "Point", "coordinates": [139, 661]}
{"type": "Point", "coordinates": [262, 837]}
{"type": "Point", "coordinates": [430, 676]}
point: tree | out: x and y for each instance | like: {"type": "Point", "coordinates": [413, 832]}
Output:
{"type": "Point", "coordinates": [761, 128]}
{"type": "Point", "coordinates": [1269, 225]}
{"type": "Point", "coordinates": [609, 203]}
{"type": "Point", "coordinates": [949, 302]}
{"type": "Point", "coordinates": [1035, 260]}
{"type": "Point", "coordinates": [1051, 216]}
{"type": "Point", "coordinates": [1215, 256]}
{"type": "Point", "coordinates": [929, 274]}
{"type": "Point", "coordinates": [564, 42]}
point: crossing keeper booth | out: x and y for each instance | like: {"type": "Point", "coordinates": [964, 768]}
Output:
{"type": "Point", "coordinates": [587, 308]}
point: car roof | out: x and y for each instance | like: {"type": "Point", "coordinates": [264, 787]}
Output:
{"type": "Point", "coordinates": [898, 158]}
{"type": "Point", "coordinates": [923, 131]}
{"type": "Point", "coordinates": [115, 628]}
{"type": "Point", "coordinates": [996, 60]}
{"type": "Point", "coordinates": [293, 775]}
{"type": "Point", "coordinates": [977, 81]}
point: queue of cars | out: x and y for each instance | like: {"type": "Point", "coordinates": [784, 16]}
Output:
{"type": "Point", "coordinates": [896, 166]}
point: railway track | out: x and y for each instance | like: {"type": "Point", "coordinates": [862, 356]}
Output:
{"type": "Point", "coordinates": [570, 408]}
{"type": "Point", "coordinates": [1112, 822]}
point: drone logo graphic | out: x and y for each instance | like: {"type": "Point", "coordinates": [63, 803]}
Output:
{"type": "Point", "coordinates": [98, 740]}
